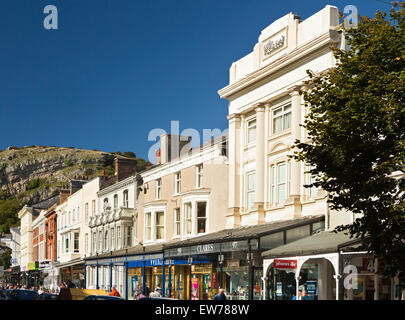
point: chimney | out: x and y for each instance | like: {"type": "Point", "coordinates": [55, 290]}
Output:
{"type": "Point", "coordinates": [64, 194]}
{"type": "Point", "coordinates": [124, 168]}
{"type": "Point", "coordinates": [76, 184]}
{"type": "Point", "coordinates": [171, 147]}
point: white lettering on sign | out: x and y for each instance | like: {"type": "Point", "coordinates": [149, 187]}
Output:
{"type": "Point", "coordinates": [205, 248]}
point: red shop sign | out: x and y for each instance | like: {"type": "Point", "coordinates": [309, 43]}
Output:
{"type": "Point", "coordinates": [285, 264]}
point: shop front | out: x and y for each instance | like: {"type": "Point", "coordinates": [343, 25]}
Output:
{"type": "Point", "coordinates": [324, 266]}
{"type": "Point", "coordinates": [71, 273]}
{"type": "Point", "coordinates": [231, 259]}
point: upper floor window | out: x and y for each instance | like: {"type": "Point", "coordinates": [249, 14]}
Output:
{"type": "Point", "coordinates": [106, 240]}
{"type": "Point", "coordinates": [158, 189]}
{"type": "Point", "coordinates": [100, 241]}
{"type": "Point", "coordinates": [282, 118]}
{"type": "Point", "coordinates": [76, 242]}
{"type": "Point", "coordinates": [118, 237]}
{"type": "Point", "coordinates": [177, 182]}
{"type": "Point", "coordinates": [176, 222]}
{"type": "Point", "coordinates": [86, 211]}
{"type": "Point", "coordinates": [280, 176]}
{"type": "Point", "coordinates": [125, 199]}
{"type": "Point", "coordinates": [115, 201]}
{"type": "Point", "coordinates": [129, 237]}
{"type": "Point", "coordinates": [187, 218]}
{"type": "Point", "coordinates": [198, 175]}
{"type": "Point", "coordinates": [148, 226]}
{"type": "Point", "coordinates": [251, 130]}
{"type": "Point", "coordinates": [250, 190]}
{"type": "Point", "coordinates": [112, 238]}
{"type": "Point", "coordinates": [201, 217]}
{"type": "Point", "coordinates": [160, 225]}
{"type": "Point", "coordinates": [311, 192]}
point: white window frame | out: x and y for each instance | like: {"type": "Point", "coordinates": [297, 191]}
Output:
{"type": "Point", "coordinates": [249, 127]}
{"type": "Point", "coordinates": [152, 211]}
{"type": "Point", "coordinates": [112, 239]}
{"type": "Point", "coordinates": [186, 220]}
{"type": "Point", "coordinates": [193, 200]}
{"type": "Point", "coordinates": [74, 242]}
{"type": "Point", "coordinates": [199, 170]}
{"type": "Point", "coordinates": [250, 191]}
{"type": "Point", "coordinates": [198, 218]}
{"type": "Point", "coordinates": [155, 227]}
{"type": "Point", "coordinates": [158, 189]}
{"type": "Point", "coordinates": [283, 114]}
{"type": "Point", "coordinates": [148, 238]}
{"type": "Point", "coordinates": [176, 223]}
{"type": "Point", "coordinates": [275, 182]}
{"type": "Point", "coordinates": [177, 182]}
{"type": "Point", "coordinates": [125, 198]}
{"type": "Point", "coordinates": [115, 201]}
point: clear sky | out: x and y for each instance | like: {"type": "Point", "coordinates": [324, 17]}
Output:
{"type": "Point", "coordinates": [115, 70]}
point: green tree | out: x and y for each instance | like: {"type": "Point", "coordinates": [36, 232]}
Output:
{"type": "Point", "coordinates": [5, 259]}
{"type": "Point", "coordinates": [356, 134]}
{"type": "Point", "coordinates": [8, 213]}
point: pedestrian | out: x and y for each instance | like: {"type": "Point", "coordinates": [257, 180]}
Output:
{"type": "Point", "coordinates": [220, 295]}
{"type": "Point", "coordinates": [114, 292]}
{"type": "Point", "coordinates": [142, 295]}
{"type": "Point", "coordinates": [205, 296]}
{"type": "Point", "coordinates": [301, 293]}
{"type": "Point", "coordinates": [41, 290]}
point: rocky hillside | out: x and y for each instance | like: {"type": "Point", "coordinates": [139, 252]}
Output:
{"type": "Point", "coordinates": [35, 173]}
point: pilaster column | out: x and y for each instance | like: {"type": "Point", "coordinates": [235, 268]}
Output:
{"type": "Point", "coordinates": [295, 134]}
{"type": "Point", "coordinates": [234, 145]}
{"type": "Point", "coordinates": [260, 157]}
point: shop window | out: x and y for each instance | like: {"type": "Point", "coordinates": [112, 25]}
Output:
{"type": "Point", "coordinates": [158, 189]}
{"type": "Point", "coordinates": [281, 118]}
{"type": "Point", "coordinates": [298, 233]}
{"type": "Point", "coordinates": [187, 218]}
{"type": "Point", "coordinates": [250, 190]}
{"type": "Point", "coordinates": [177, 222]}
{"type": "Point", "coordinates": [199, 175]}
{"type": "Point", "coordinates": [201, 217]}
{"type": "Point", "coordinates": [76, 242]}
{"type": "Point", "coordinates": [148, 226]}
{"type": "Point", "coordinates": [251, 130]}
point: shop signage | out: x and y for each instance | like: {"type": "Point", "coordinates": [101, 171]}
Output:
{"type": "Point", "coordinates": [311, 287]}
{"type": "Point", "coordinates": [285, 264]}
{"type": "Point", "coordinates": [32, 266]}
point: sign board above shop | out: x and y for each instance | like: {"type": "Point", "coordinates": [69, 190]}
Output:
{"type": "Point", "coordinates": [285, 264]}
{"type": "Point", "coordinates": [210, 248]}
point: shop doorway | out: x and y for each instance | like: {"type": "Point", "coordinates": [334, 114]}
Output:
{"type": "Point", "coordinates": [281, 284]}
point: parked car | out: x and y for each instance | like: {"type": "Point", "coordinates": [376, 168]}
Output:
{"type": "Point", "coordinates": [101, 297]}
{"type": "Point", "coordinates": [18, 294]}
{"type": "Point", "coordinates": [48, 296]}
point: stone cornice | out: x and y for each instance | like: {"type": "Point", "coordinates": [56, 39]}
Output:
{"type": "Point", "coordinates": [329, 37]}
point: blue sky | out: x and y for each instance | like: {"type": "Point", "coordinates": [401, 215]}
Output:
{"type": "Point", "coordinates": [115, 70]}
